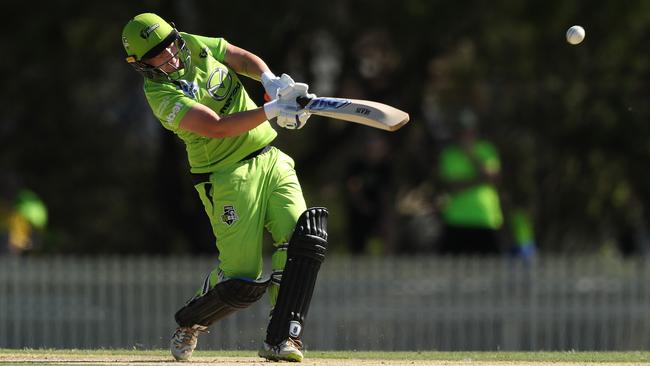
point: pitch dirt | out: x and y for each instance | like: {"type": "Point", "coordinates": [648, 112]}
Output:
{"type": "Point", "coordinates": [75, 359]}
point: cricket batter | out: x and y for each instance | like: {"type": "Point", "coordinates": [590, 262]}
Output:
{"type": "Point", "coordinates": [192, 85]}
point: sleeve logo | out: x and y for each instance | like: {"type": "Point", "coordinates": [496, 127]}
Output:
{"type": "Point", "coordinates": [177, 108]}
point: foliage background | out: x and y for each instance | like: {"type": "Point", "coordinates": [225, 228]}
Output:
{"type": "Point", "coordinates": [571, 122]}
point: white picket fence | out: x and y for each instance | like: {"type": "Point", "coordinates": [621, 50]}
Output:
{"type": "Point", "coordinates": [396, 303]}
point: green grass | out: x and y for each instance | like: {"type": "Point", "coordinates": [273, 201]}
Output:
{"type": "Point", "coordinates": [572, 356]}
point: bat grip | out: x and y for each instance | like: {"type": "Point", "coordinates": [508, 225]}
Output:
{"type": "Point", "coordinates": [303, 101]}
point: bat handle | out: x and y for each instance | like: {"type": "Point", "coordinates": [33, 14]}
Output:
{"type": "Point", "coordinates": [303, 101]}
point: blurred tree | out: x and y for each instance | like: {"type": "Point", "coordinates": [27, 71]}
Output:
{"type": "Point", "coordinates": [570, 121]}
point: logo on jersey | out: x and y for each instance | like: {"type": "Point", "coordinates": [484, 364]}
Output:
{"type": "Point", "coordinates": [219, 84]}
{"type": "Point", "coordinates": [204, 52]}
{"type": "Point", "coordinates": [172, 114]}
{"type": "Point", "coordinates": [229, 215]}
{"type": "Point", "coordinates": [189, 89]}
{"type": "Point", "coordinates": [145, 33]}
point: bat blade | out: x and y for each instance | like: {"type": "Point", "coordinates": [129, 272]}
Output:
{"type": "Point", "coordinates": [365, 112]}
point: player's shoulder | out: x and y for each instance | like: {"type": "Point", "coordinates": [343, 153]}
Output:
{"type": "Point", "coordinates": [150, 86]}
{"type": "Point", "coordinates": [198, 42]}
{"type": "Point", "coordinates": [153, 90]}
{"type": "Point", "coordinates": [189, 38]}
{"type": "Point", "coordinates": [193, 42]}
{"type": "Point", "coordinates": [203, 46]}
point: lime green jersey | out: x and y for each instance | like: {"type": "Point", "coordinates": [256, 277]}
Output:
{"type": "Point", "coordinates": [476, 206]}
{"type": "Point", "coordinates": [522, 227]}
{"type": "Point", "coordinates": [212, 83]}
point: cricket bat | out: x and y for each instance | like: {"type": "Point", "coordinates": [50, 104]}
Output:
{"type": "Point", "coordinates": [365, 112]}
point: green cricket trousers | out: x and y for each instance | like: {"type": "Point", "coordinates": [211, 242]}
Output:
{"type": "Point", "coordinates": [241, 200]}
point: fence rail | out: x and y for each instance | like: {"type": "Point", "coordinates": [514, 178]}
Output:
{"type": "Point", "coordinates": [397, 303]}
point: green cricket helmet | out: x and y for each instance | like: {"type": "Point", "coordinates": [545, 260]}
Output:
{"type": "Point", "coordinates": [146, 36]}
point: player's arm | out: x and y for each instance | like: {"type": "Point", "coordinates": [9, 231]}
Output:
{"type": "Point", "coordinates": [205, 122]}
{"type": "Point", "coordinates": [245, 63]}
{"type": "Point", "coordinates": [248, 64]}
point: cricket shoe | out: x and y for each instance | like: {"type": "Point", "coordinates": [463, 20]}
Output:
{"type": "Point", "coordinates": [184, 340]}
{"type": "Point", "coordinates": [288, 350]}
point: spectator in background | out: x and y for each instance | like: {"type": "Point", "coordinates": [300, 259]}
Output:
{"type": "Point", "coordinates": [470, 207]}
{"type": "Point", "coordinates": [523, 234]}
{"type": "Point", "coordinates": [631, 227]}
{"type": "Point", "coordinates": [367, 199]}
{"type": "Point", "coordinates": [23, 217]}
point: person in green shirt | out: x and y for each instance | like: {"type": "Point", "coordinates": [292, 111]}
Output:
{"type": "Point", "coordinates": [192, 85]}
{"type": "Point", "coordinates": [23, 220]}
{"type": "Point", "coordinates": [471, 209]}
{"type": "Point", "coordinates": [523, 233]}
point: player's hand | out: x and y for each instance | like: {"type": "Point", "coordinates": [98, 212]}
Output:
{"type": "Point", "coordinates": [292, 90]}
{"type": "Point", "coordinates": [289, 114]}
{"type": "Point", "coordinates": [273, 83]}
{"type": "Point", "coordinates": [288, 96]}
{"type": "Point", "coordinates": [292, 119]}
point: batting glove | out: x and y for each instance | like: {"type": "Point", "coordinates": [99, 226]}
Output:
{"type": "Point", "coordinates": [273, 83]}
{"type": "Point", "coordinates": [293, 120]}
{"type": "Point", "coordinates": [289, 114]}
